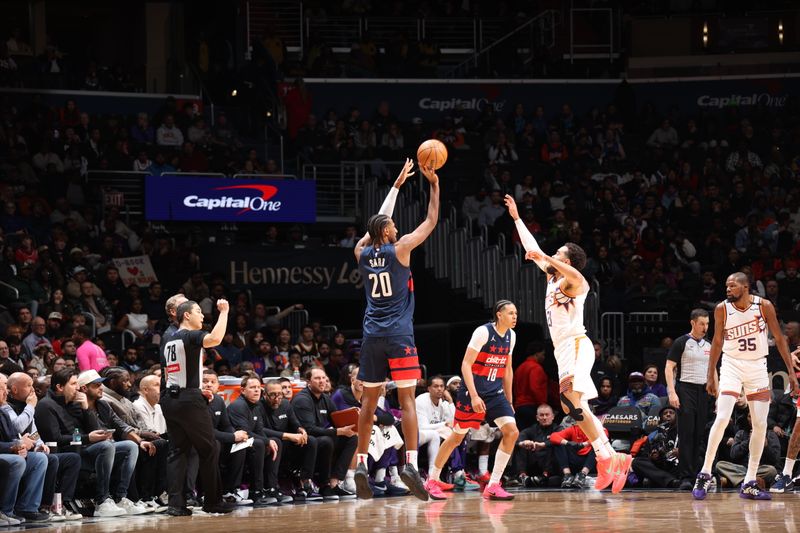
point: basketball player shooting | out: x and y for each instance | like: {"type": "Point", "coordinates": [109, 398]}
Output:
{"type": "Point", "coordinates": [564, 301]}
{"type": "Point", "coordinates": [740, 336]}
{"type": "Point", "coordinates": [388, 347]}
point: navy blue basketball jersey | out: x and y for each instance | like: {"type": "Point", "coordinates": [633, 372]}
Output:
{"type": "Point", "coordinates": [489, 367]}
{"type": "Point", "coordinates": [390, 292]}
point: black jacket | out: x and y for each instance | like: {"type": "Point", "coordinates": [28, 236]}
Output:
{"type": "Point", "coordinates": [248, 417]}
{"type": "Point", "coordinates": [108, 419]}
{"type": "Point", "coordinates": [281, 420]}
{"type": "Point", "coordinates": [56, 421]}
{"type": "Point", "coordinates": [8, 433]}
{"type": "Point", "coordinates": [314, 413]}
{"type": "Point", "coordinates": [223, 430]}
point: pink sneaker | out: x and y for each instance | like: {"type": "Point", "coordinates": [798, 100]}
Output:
{"type": "Point", "coordinates": [621, 476]}
{"type": "Point", "coordinates": [495, 491]}
{"type": "Point", "coordinates": [432, 487]}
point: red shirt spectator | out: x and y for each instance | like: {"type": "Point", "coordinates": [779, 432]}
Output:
{"type": "Point", "coordinates": [573, 434]}
{"type": "Point", "coordinates": [530, 381]}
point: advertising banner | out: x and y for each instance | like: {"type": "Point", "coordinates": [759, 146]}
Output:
{"type": "Point", "coordinates": [196, 198]}
{"type": "Point", "coordinates": [433, 101]}
{"type": "Point", "coordinates": [319, 274]}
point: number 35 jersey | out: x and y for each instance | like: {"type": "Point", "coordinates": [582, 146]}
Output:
{"type": "Point", "coordinates": [745, 331]}
{"type": "Point", "coordinates": [494, 351]}
{"type": "Point", "coordinates": [390, 292]}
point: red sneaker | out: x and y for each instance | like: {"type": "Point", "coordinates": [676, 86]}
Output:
{"type": "Point", "coordinates": [484, 478]}
{"type": "Point", "coordinates": [432, 487]}
{"type": "Point", "coordinates": [496, 492]}
{"type": "Point", "coordinates": [621, 476]}
{"type": "Point", "coordinates": [606, 471]}
{"type": "Point", "coordinates": [442, 485]}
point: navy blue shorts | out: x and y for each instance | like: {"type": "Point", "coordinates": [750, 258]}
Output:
{"type": "Point", "coordinates": [496, 406]}
{"type": "Point", "coordinates": [394, 356]}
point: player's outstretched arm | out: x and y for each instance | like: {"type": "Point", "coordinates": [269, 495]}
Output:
{"type": "Point", "coordinates": [716, 349]}
{"type": "Point", "coordinates": [362, 243]}
{"type": "Point", "coordinates": [388, 204]}
{"type": "Point", "coordinates": [218, 332]}
{"type": "Point", "coordinates": [418, 236]}
{"type": "Point", "coordinates": [574, 282]}
{"type": "Point", "coordinates": [527, 238]}
{"type": "Point", "coordinates": [768, 311]}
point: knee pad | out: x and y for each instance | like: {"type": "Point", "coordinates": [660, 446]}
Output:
{"type": "Point", "coordinates": [575, 412]}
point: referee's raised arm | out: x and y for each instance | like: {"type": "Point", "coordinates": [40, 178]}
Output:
{"type": "Point", "coordinates": [218, 332]}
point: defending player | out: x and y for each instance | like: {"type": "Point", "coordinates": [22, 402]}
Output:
{"type": "Point", "coordinates": [564, 300]}
{"type": "Point", "coordinates": [740, 334]}
{"type": "Point", "coordinates": [784, 482]}
{"type": "Point", "coordinates": [485, 393]}
{"type": "Point", "coordinates": [383, 261]}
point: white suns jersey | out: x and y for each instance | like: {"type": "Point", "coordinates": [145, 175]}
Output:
{"type": "Point", "coordinates": [564, 312]}
{"type": "Point", "coordinates": [745, 331]}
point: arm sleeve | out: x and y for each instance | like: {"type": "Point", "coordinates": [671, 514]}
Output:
{"type": "Point", "coordinates": [196, 337]}
{"type": "Point", "coordinates": [23, 420]}
{"type": "Point", "coordinates": [304, 410]}
{"type": "Point", "coordinates": [676, 350]}
{"type": "Point", "coordinates": [557, 436]}
{"type": "Point", "coordinates": [528, 240]}
{"type": "Point", "coordinates": [387, 208]}
{"type": "Point", "coordinates": [479, 337]}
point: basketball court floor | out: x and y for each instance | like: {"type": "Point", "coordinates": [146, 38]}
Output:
{"type": "Point", "coordinates": [543, 511]}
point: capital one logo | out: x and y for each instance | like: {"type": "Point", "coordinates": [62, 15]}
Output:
{"type": "Point", "coordinates": [252, 202]}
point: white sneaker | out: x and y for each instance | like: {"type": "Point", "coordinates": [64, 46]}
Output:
{"type": "Point", "coordinates": [155, 506]}
{"type": "Point", "coordinates": [69, 516]}
{"type": "Point", "coordinates": [236, 498]}
{"type": "Point", "coordinates": [131, 508]}
{"type": "Point", "coordinates": [55, 517]}
{"type": "Point", "coordinates": [109, 508]}
{"type": "Point", "coordinates": [349, 484]}
{"type": "Point", "coordinates": [6, 520]}
{"type": "Point", "coordinates": [397, 482]}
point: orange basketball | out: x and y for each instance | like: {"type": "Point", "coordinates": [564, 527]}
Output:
{"type": "Point", "coordinates": [432, 153]}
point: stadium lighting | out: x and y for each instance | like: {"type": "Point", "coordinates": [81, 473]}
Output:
{"type": "Point", "coordinates": [233, 92]}
{"type": "Point", "coordinates": [780, 32]}
{"type": "Point", "coordinates": [705, 34]}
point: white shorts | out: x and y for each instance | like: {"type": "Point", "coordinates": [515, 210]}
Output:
{"type": "Point", "coordinates": [750, 374]}
{"type": "Point", "coordinates": [575, 358]}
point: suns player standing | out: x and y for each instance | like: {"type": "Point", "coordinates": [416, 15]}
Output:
{"type": "Point", "coordinates": [564, 300]}
{"type": "Point", "coordinates": [485, 393]}
{"type": "Point", "coordinates": [740, 335]}
{"type": "Point", "coordinates": [388, 347]}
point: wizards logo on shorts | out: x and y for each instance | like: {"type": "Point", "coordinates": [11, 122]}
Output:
{"type": "Point", "coordinates": [196, 198]}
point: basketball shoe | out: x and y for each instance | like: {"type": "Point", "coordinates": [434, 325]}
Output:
{"type": "Point", "coordinates": [363, 490]}
{"type": "Point", "coordinates": [751, 491]}
{"type": "Point", "coordinates": [413, 481]}
{"type": "Point", "coordinates": [621, 477]}
{"type": "Point", "coordinates": [701, 486]}
{"type": "Point", "coordinates": [435, 491]}
{"type": "Point", "coordinates": [494, 491]}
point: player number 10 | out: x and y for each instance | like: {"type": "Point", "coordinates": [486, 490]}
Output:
{"type": "Point", "coordinates": [381, 284]}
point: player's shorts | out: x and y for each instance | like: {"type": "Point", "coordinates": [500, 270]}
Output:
{"type": "Point", "coordinates": [394, 356]}
{"type": "Point", "coordinates": [497, 406]}
{"type": "Point", "coordinates": [748, 373]}
{"type": "Point", "coordinates": [575, 358]}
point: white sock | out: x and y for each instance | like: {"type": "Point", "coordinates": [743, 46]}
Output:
{"type": "Point", "coordinates": [380, 475]}
{"type": "Point", "coordinates": [362, 458]}
{"type": "Point", "coordinates": [600, 448]}
{"type": "Point", "coordinates": [725, 405]}
{"type": "Point", "coordinates": [758, 415]}
{"type": "Point", "coordinates": [411, 458]}
{"type": "Point", "coordinates": [393, 473]}
{"type": "Point", "coordinates": [459, 473]}
{"type": "Point", "coordinates": [483, 464]}
{"type": "Point", "coordinates": [350, 475]}
{"type": "Point", "coordinates": [434, 473]}
{"type": "Point", "coordinates": [500, 461]}
{"type": "Point", "coordinates": [788, 467]}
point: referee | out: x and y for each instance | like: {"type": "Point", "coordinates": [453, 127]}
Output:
{"type": "Point", "coordinates": [186, 409]}
{"type": "Point", "coordinates": [687, 393]}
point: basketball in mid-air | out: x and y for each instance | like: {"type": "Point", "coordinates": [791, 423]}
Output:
{"type": "Point", "coordinates": [432, 153]}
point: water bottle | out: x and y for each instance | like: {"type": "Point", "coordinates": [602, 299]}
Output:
{"type": "Point", "coordinates": [76, 437]}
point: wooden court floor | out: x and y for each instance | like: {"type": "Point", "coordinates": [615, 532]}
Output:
{"type": "Point", "coordinates": [634, 511]}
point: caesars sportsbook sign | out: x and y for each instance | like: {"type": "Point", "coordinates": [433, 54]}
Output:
{"type": "Point", "coordinates": [318, 274]}
{"type": "Point", "coordinates": [229, 200]}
